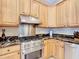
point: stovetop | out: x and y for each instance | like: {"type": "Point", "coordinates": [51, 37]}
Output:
{"type": "Point", "coordinates": [29, 38]}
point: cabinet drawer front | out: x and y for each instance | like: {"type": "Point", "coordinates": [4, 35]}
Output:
{"type": "Point", "coordinates": [9, 49]}
{"type": "Point", "coordinates": [13, 55]}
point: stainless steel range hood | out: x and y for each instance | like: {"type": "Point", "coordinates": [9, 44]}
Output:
{"type": "Point", "coordinates": [29, 19]}
{"type": "Point", "coordinates": [49, 2]}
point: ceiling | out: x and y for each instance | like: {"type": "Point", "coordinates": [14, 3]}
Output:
{"type": "Point", "coordinates": [50, 2]}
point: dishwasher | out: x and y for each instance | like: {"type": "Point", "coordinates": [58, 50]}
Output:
{"type": "Point", "coordinates": [71, 51]}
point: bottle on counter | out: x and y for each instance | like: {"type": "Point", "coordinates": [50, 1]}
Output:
{"type": "Point", "coordinates": [51, 33]}
{"type": "Point", "coordinates": [3, 34]}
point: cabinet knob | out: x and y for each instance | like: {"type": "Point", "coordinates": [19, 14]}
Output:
{"type": "Point", "coordinates": [18, 53]}
{"type": "Point", "coordinates": [22, 12]}
{"type": "Point", "coordinates": [8, 50]}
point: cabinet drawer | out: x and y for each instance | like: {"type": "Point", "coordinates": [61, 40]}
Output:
{"type": "Point", "coordinates": [9, 49]}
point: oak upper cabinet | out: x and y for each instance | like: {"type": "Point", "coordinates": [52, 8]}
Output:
{"type": "Point", "coordinates": [72, 13]}
{"type": "Point", "coordinates": [77, 11]}
{"type": "Point", "coordinates": [43, 15]}
{"type": "Point", "coordinates": [61, 14]}
{"type": "Point", "coordinates": [49, 49]}
{"type": "Point", "coordinates": [52, 16]}
{"type": "Point", "coordinates": [14, 55]}
{"type": "Point", "coordinates": [0, 12]}
{"type": "Point", "coordinates": [25, 6]}
{"type": "Point", "coordinates": [10, 12]}
{"type": "Point", "coordinates": [34, 8]}
{"type": "Point", "coordinates": [60, 50]}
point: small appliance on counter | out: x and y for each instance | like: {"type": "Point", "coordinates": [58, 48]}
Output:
{"type": "Point", "coordinates": [51, 33]}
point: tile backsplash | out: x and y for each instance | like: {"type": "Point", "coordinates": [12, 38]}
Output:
{"type": "Point", "coordinates": [14, 31]}
{"type": "Point", "coordinates": [42, 30]}
{"type": "Point", "coordinates": [9, 31]}
{"type": "Point", "coordinates": [68, 31]}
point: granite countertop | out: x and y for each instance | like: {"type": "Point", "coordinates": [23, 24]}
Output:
{"type": "Point", "coordinates": [8, 44]}
{"type": "Point", "coordinates": [70, 40]}
{"type": "Point", "coordinates": [65, 38]}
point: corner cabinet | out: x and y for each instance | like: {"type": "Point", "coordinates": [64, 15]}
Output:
{"type": "Point", "coordinates": [14, 55]}
{"type": "Point", "coordinates": [10, 12]}
{"type": "Point", "coordinates": [49, 49]}
{"type": "Point", "coordinates": [53, 48]}
{"type": "Point", "coordinates": [52, 16]}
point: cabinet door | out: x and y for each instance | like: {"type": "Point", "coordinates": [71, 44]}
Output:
{"type": "Point", "coordinates": [52, 48]}
{"type": "Point", "coordinates": [0, 12]}
{"type": "Point", "coordinates": [45, 49]}
{"type": "Point", "coordinates": [34, 8]}
{"type": "Point", "coordinates": [77, 11]}
{"type": "Point", "coordinates": [61, 14]}
{"type": "Point", "coordinates": [43, 16]}
{"type": "Point", "coordinates": [10, 12]}
{"type": "Point", "coordinates": [52, 16]}
{"type": "Point", "coordinates": [72, 17]}
{"type": "Point", "coordinates": [49, 49]}
{"type": "Point", "coordinates": [14, 55]}
{"type": "Point", "coordinates": [59, 50]}
{"type": "Point", "coordinates": [25, 6]}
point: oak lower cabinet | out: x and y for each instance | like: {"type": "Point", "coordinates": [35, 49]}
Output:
{"type": "Point", "coordinates": [49, 49]}
{"type": "Point", "coordinates": [60, 50]}
{"type": "Point", "coordinates": [25, 7]}
{"type": "Point", "coordinates": [53, 48]}
{"type": "Point", "coordinates": [10, 12]}
{"type": "Point", "coordinates": [12, 52]}
{"type": "Point", "coordinates": [13, 55]}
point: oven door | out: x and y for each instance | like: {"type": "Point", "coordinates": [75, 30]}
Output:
{"type": "Point", "coordinates": [34, 55]}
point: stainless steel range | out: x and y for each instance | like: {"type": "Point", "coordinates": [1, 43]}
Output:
{"type": "Point", "coordinates": [31, 49]}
